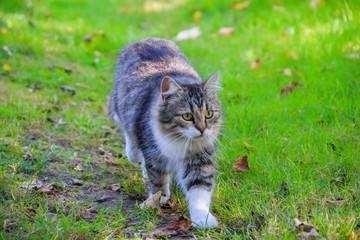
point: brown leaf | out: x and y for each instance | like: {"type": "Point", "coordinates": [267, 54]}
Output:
{"type": "Point", "coordinates": [337, 203]}
{"type": "Point", "coordinates": [76, 181]}
{"type": "Point", "coordinates": [288, 89]}
{"type": "Point", "coordinates": [115, 187]}
{"type": "Point", "coordinates": [79, 167]}
{"type": "Point", "coordinates": [35, 86]}
{"type": "Point", "coordinates": [68, 69]}
{"type": "Point", "coordinates": [180, 226]}
{"type": "Point", "coordinates": [37, 185]}
{"type": "Point", "coordinates": [46, 189]}
{"type": "Point", "coordinates": [169, 204]}
{"type": "Point", "coordinates": [310, 214]}
{"type": "Point", "coordinates": [65, 89]}
{"type": "Point", "coordinates": [291, 54]}
{"type": "Point", "coordinates": [255, 64]}
{"type": "Point", "coordinates": [242, 165]}
{"type": "Point", "coordinates": [285, 90]}
{"type": "Point", "coordinates": [154, 201]}
{"type": "Point", "coordinates": [303, 226]}
{"type": "Point", "coordinates": [27, 156]}
{"type": "Point", "coordinates": [307, 230]}
{"type": "Point", "coordinates": [227, 30]}
{"type": "Point", "coordinates": [88, 37]}
{"type": "Point", "coordinates": [57, 121]}
{"type": "Point", "coordinates": [240, 5]}
{"type": "Point", "coordinates": [340, 180]}
{"type": "Point", "coordinates": [332, 145]}
{"type": "Point", "coordinates": [102, 198]}
{"type": "Point", "coordinates": [7, 225]}
{"type": "Point", "coordinates": [164, 232]}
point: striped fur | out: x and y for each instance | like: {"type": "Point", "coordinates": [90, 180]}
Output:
{"type": "Point", "coordinates": [154, 85]}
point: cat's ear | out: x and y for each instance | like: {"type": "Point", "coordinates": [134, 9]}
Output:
{"type": "Point", "coordinates": [212, 84]}
{"type": "Point", "coordinates": [168, 87]}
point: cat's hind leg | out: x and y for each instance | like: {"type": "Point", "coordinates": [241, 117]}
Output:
{"type": "Point", "coordinates": [133, 152]}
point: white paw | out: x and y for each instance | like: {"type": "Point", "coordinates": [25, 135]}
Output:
{"type": "Point", "coordinates": [164, 198]}
{"type": "Point", "coordinates": [202, 219]}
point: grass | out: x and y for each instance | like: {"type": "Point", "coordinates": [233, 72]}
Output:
{"type": "Point", "coordinates": [306, 139]}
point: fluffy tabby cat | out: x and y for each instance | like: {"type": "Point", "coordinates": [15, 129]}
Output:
{"type": "Point", "coordinates": [170, 119]}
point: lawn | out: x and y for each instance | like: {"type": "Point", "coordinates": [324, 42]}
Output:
{"type": "Point", "coordinates": [63, 169]}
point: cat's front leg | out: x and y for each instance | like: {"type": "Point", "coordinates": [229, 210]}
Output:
{"type": "Point", "coordinates": [158, 181]}
{"type": "Point", "coordinates": [199, 201]}
{"type": "Point", "coordinates": [197, 182]}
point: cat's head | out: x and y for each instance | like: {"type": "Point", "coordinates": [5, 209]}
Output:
{"type": "Point", "coordinates": [190, 111]}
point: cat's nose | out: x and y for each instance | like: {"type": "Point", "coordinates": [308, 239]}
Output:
{"type": "Point", "coordinates": [201, 129]}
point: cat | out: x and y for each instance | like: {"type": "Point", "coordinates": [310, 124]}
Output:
{"type": "Point", "coordinates": [170, 119]}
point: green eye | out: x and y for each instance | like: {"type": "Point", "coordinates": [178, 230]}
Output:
{"type": "Point", "coordinates": [209, 114]}
{"type": "Point", "coordinates": [187, 116]}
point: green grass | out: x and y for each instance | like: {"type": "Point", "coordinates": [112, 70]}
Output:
{"type": "Point", "coordinates": [288, 136]}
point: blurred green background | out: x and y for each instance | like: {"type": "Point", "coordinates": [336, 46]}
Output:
{"type": "Point", "coordinates": [307, 138]}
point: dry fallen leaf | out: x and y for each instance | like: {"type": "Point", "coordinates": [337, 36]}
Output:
{"type": "Point", "coordinates": [191, 33]}
{"type": "Point", "coordinates": [169, 204]}
{"type": "Point", "coordinates": [180, 226]}
{"type": "Point", "coordinates": [337, 203]}
{"type": "Point", "coordinates": [287, 71]}
{"type": "Point", "coordinates": [255, 64]}
{"type": "Point", "coordinates": [27, 156]}
{"type": "Point", "coordinates": [35, 86]}
{"type": "Point", "coordinates": [76, 181]}
{"type": "Point", "coordinates": [57, 121]}
{"type": "Point", "coordinates": [154, 201]}
{"type": "Point", "coordinates": [7, 50]}
{"type": "Point", "coordinates": [242, 165]}
{"type": "Point", "coordinates": [7, 225]}
{"type": "Point", "coordinates": [68, 69]}
{"type": "Point", "coordinates": [88, 37]}
{"type": "Point", "coordinates": [307, 230]}
{"type": "Point", "coordinates": [288, 89]}
{"type": "Point", "coordinates": [247, 146]}
{"type": "Point", "coordinates": [227, 30]}
{"type": "Point", "coordinates": [66, 89]}
{"type": "Point", "coordinates": [197, 16]}
{"type": "Point", "coordinates": [240, 5]}
{"type": "Point", "coordinates": [79, 168]}
{"type": "Point", "coordinates": [37, 185]}
{"type": "Point", "coordinates": [291, 54]}
{"type": "Point", "coordinates": [6, 67]}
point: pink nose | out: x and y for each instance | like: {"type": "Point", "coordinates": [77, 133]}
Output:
{"type": "Point", "coordinates": [201, 129]}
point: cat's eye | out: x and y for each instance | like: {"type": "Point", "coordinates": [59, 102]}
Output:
{"type": "Point", "coordinates": [187, 116]}
{"type": "Point", "coordinates": [209, 114]}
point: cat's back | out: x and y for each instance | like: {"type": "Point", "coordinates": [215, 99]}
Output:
{"type": "Point", "coordinates": [151, 58]}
